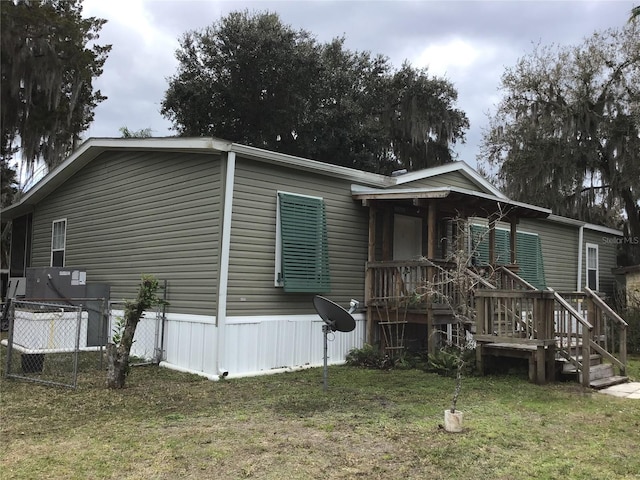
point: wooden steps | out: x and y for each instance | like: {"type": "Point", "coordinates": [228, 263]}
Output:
{"type": "Point", "coordinates": [601, 375]}
{"type": "Point", "coordinates": [607, 382]}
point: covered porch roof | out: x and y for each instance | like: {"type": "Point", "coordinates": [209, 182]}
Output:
{"type": "Point", "coordinates": [466, 202]}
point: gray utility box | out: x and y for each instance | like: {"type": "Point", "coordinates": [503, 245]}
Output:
{"type": "Point", "coordinates": [56, 282]}
{"type": "Point", "coordinates": [70, 283]}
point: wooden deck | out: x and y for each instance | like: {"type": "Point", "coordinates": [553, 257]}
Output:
{"type": "Point", "coordinates": [509, 318]}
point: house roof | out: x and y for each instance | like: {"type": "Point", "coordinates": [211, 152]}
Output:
{"type": "Point", "coordinates": [460, 167]}
{"type": "Point", "coordinates": [588, 226]}
{"type": "Point", "coordinates": [482, 202]}
{"type": "Point", "coordinates": [378, 184]}
{"type": "Point", "coordinates": [93, 147]}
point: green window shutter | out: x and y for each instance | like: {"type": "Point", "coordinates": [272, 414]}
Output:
{"type": "Point", "coordinates": [530, 259]}
{"type": "Point", "coordinates": [480, 241]}
{"type": "Point", "coordinates": [304, 244]}
{"type": "Point", "coordinates": [529, 253]}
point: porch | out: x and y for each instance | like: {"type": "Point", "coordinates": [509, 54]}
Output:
{"type": "Point", "coordinates": [557, 333]}
{"type": "Point", "coordinates": [423, 290]}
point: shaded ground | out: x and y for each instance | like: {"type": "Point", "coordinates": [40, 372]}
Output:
{"type": "Point", "coordinates": [370, 424]}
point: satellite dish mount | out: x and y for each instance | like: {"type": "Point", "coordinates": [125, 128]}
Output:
{"type": "Point", "coordinates": [335, 318]}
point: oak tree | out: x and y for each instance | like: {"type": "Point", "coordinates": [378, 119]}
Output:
{"type": "Point", "coordinates": [251, 79]}
{"type": "Point", "coordinates": [49, 60]}
{"type": "Point", "coordinates": [566, 134]}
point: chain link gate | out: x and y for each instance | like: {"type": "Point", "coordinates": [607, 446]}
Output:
{"type": "Point", "coordinates": [45, 340]}
{"type": "Point", "coordinates": [52, 341]}
{"type": "Point", "coordinates": [148, 343]}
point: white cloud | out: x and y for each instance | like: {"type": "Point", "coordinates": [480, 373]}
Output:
{"type": "Point", "coordinates": [453, 56]}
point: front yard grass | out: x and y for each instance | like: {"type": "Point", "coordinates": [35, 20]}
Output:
{"type": "Point", "coordinates": [370, 424]}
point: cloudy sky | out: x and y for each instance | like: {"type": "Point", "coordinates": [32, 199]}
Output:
{"type": "Point", "coordinates": [469, 42]}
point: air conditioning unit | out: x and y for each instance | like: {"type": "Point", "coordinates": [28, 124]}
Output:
{"type": "Point", "coordinates": [56, 282]}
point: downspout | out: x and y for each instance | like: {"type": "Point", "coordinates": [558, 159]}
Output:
{"type": "Point", "coordinates": [221, 317]}
{"type": "Point", "coordinates": [580, 241]}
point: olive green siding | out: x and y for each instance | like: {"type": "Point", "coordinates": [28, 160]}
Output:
{"type": "Point", "coordinates": [559, 251]}
{"type": "Point", "coordinates": [449, 179]}
{"type": "Point", "coordinates": [607, 259]}
{"type": "Point", "coordinates": [141, 213]}
{"type": "Point", "coordinates": [251, 289]}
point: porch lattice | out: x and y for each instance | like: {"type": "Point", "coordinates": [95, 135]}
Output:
{"type": "Point", "coordinates": [392, 317]}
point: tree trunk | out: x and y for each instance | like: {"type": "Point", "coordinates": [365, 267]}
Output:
{"type": "Point", "coordinates": [118, 353]}
{"type": "Point", "coordinates": [633, 216]}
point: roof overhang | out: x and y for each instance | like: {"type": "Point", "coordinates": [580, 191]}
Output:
{"type": "Point", "coordinates": [461, 167]}
{"type": "Point", "coordinates": [588, 226]}
{"type": "Point", "coordinates": [94, 147]}
{"type": "Point", "coordinates": [473, 203]}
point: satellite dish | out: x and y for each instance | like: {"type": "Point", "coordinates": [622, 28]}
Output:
{"type": "Point", "coordinates": [335, 318]}
{"type": "Point", "coordinates": [334, 315]}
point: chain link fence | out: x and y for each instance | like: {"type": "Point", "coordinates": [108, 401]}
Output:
{"type": "Point", "coordinates": [147, 342]}
{"type": "Point", "coordinates": [50, 341]}
{"type": "Point", "coordinates": [58, 341]}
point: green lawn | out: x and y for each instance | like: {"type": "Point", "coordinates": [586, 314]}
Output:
{"type": "Point", "coordinates": [370, 424]}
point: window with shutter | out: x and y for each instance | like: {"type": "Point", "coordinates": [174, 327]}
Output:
{"type": "Point", "coordinates": [528, 252]}
{"type": "Point", "coordinates": [302, 261]}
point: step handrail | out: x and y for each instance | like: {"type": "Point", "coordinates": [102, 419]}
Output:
{"type": "Point", "coordinates": [480, 279]}
{"type": "Point", "coordinates": [586, 337]}
{"type": "Point", "coordinates": [603, 305]}
{"type": "Point", "coordinates": [574, 313]}
{"type": "Point", "coordinates": [517, 277]}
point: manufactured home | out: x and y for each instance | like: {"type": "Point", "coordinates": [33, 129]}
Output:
{"type": "Point", "coordinates": [245, 238]}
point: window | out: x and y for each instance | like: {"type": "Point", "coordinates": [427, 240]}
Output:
{"type": "Point", "coordinates": [58, 240]}
{"type": "Point", "coordinates": [302, 249]}
{"type": "Point", "coordinates": [528, 252]}
{"type": "Point", "coordinates": [592, 267]}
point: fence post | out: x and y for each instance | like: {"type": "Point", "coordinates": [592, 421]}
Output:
{"type": "Point", "coordinates": [623, 349]}
{"type": "Point", "coordinates": [11, 311]}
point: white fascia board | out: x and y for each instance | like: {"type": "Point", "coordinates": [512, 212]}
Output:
{"type": "Point", "coordinates": [603, 229]}
{"type": "Point", "coordinates": [361, 190]}
{"type": "Point", "coordinates": [458, 166]}
{"type": "Point", "coordinates": [588, 226]}
{"type": "Point", "coordinates": [204, 144]}
{"type": "Point", "coordinates": [93, 147]}
{"type": "Point", "coordinates": [501, 199]}
{"type": "Point", "coordinates": [314, 166]}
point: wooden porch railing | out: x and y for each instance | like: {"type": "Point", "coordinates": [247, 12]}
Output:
{"type": "Point", "coordinates": [585, 325]}
{"type": "Point", "coordinates": [408, 281]}
{"type": "Point", "coordinates": [422, 289]}
{"type": "Point", "coordinates": [514, 316]}
{"type": "Point", "coordinates": [573, 332]}
{"type": "Point", "coordinates": [508, 280]}
{"type": "Point", "coordinates": [508, 310]}
{"type": "Point", "coordinates": [516, 323]}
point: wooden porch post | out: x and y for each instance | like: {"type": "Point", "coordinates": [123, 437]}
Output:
{"type": "Point", "coordinates": [492, 240]}
{"type": "Point", "coordinates": [387, 230]}
{"type": "Point", "coordinates": [368, 279]}
{"type": "Point", "coordinates": [431, 252]}
{"type": "Point", "coordinates": [431, 230]}
{"type": "Point", "coordinates": [513, 237]}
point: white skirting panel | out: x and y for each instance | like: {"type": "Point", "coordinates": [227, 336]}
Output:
{"type": "Point", "coordinates": [190, 343]}
{"type": "Point", "coordinates": [253, 345]}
